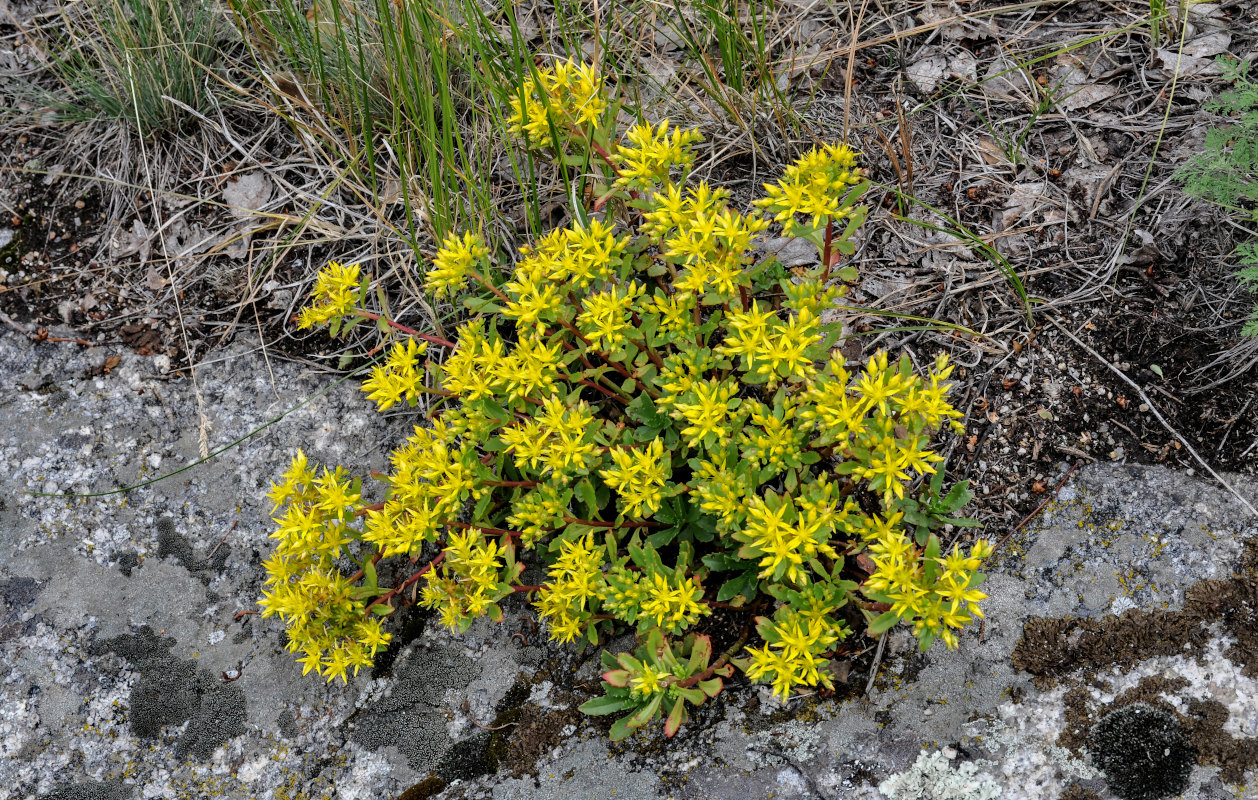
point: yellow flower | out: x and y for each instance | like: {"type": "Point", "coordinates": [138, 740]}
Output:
{"type": "Point", "coordinates": [674, 606]}
{"type": "Point", "coordinates": [787, 546]}
{"type": "Point", "coordinates": [401, 376]}
{"type": "Point", "coordinates": [650, 153]}
{"type": "Point", "coordinates": [567, 97]}
{"type": "Point", "coordinates": [456, 260]}
{"type": "Point", "coordinates": [708, 413]}
{"type": "Point", "coordinates": [814, 186]}
{"type": "Point", "coordinates": [793, 656]}
{"type": "Point", "coordinates": [648, 683]}
{"type": "Point", "coordinates": [334, 295]}
{"type": "Point", "coordinates": [606, 317]}
{"type": "Point", "coordinates": [638, 477]}
{"type": "Point", "coordinates": [575, 580]}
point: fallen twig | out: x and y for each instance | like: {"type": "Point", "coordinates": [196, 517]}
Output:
{"type": "Point", "coordinates": [1038, 508]}
{"type": "Point", "coordinates": [873, 670]}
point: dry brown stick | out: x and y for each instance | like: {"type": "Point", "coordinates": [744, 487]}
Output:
{"type": "Point", "coordinates": [1038, 508]}
{"type": "Point", "coordinates": [873, 671]}
{"type": "Point", "coordinates": [1149, 402]}
{"type": "Point", "coordinates": [851, 67]}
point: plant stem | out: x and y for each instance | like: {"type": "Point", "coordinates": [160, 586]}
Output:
{"type": "Point", "coordinates": [826, 255]}
{"type": "Point", "coordinates": [613, 364]}
{"type": "Point", "coordinates": [484, 282]}
{"type": "Point", "coordinates": [401, 587]}
{"type": "Point", "coordinates": [408, 331]}
{"type": "Point", "coordinates": [613, 395]}
{"type": "Point", "coordinates": [720, 662]}
{"type": "Point", "coordinates": [594, 524]}
{"type": "Point", "coordinates": [606, 156]}
{"type": "Point", "coordinates": [499, 531]}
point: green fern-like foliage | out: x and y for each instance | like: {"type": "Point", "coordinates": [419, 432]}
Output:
{"type": "Point", "coordinates": [1227, 172]}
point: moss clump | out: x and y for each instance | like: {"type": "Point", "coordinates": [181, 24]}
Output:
{"type": "Point", "coordinates": [1143, 752]}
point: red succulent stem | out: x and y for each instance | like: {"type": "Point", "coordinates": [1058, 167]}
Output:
{"type": "Point", "coordinates": [594, 524]}
{"type": "Point", "coordinates": [496, 531]}
{"type": "Point", "coordinates": [409, 331]}
{"type": "Point", "coordinates": [401, 587]}
{"type": "Point", "coordinates": [826, 255]}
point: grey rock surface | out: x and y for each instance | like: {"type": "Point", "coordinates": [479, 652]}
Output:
{"type": "Point", "coordinates": [131, 673]}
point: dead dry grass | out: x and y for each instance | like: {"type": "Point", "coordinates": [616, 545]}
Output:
{"type": "Point", "coordinates": [1020, 148]}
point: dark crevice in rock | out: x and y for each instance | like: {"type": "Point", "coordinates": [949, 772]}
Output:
{"type": "Point", "coordinates": [171, 543]}
{"type": "Point", "coordinates": [1052, 648]}
{"type": "Point", "coordinates": [112, 789]}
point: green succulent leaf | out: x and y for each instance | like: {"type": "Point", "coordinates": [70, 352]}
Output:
{"type": "Point", "coordinates": [602, 706]}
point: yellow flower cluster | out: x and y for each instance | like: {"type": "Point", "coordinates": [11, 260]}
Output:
{"type": "Point", "coordinates": [702, 234]}
{"type": "Point", "coordinates": [456, 261]}
{"type": "Point", "coordinates": [792, 656]}
{"type": "Point", "coordinates": [639, 477]}
{"type": "Point", "coordinates": [648, 682]}
{"type": "Point", "coordinates": [786, 539]}
{"type": "Point", "coordinates": [649, 155]}
{"type": "Point", "coordinates": [482, 367]}
{"type": "Point", "coordinates": [556, 441]}
{"type": "Point", "coordinates": [432, 476]}
{"type": "Point", "coordinates": [936, 593]}
{"type": "Point", "coordinates": [325, 621]}
{"type": "Point", "coordinates": [668, 602]}
{"type": "Point", "coordinates": [631, 396]}
{"type": "Point", "coordinates": [468, 580]}
{"type": "Point", "coordinates": [334, 295]}
{"type": "Point", "coordinates": [814, 186]}
{"type": "Point", "coordinates": [770, 347]}
{"type": "Point", "coordinates": [608, 315]}
{"type": "Point", "coordinates": [570, 258]}
{"type": "Point", "coordinates": [707, 412]}
{"type": "Point", "coordinates": [559, 102]}
{"type": "Point", "coordinates": [401, 376]}
{"type": "Point", "coordinates": [574, 587]}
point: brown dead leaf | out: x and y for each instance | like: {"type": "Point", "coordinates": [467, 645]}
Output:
{"type": "Point", "coordinates": [140, 338]}
{"type": "Point", "coordinates": [103, 369]}
{"type": "Point", "coordinates": [991, 152]}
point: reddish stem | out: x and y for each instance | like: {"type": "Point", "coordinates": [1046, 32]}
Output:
{"type": "Point", "coordinates": [606, 156]}
{"type": "Point", "coordinates": [594, 524]}
{"type": "Point", "coordinates": [409, 331]}
{"type": "Point", "coordinates": [401, 587]}
{"type": "Point", "coordinates": [483, 282]}
{"type": "Point", "coordinates": [826, 256]}
{"type": "Point", "coordinates": [499, 531]}
{"type": "Point", "coordinates": [602, 389]}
